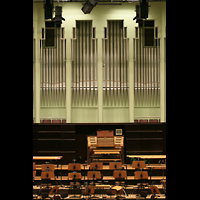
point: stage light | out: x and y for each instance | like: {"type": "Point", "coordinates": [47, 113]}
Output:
{"type": "Point", "coordinates": [88, 6]}
{"type": "Point", "coordinates": [58, 16]}
{"type": "Point", "coordinates": [141, 11]}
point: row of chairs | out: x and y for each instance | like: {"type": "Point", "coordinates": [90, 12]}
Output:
{"type": "Point", "coordinates": [48, 169]}
{"type": "Point", "coordinates": [48, 121]}
{"type": "Point", "coordinates": [119, 174]}
{"type": "Point", "coordinates": [54, 121]}
{"type": "Point", "coordinates": [147, 121]}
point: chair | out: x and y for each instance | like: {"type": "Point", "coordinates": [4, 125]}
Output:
{"type": "Point", "coordinates": [142, 176]}
{"type": "Point", "coordinates": [46, 121]}
{"type": "Point", "coordinates": [47, 173]}
{"type": "Point", "coordinates": [34, 170]}
{"type": "Point", "coordinates": [115, 165]}
{"type": "Point", "coordinates": [43, 192]}
{"type": "Point", "coordinates": [96, 166]}
{"type": "Point", "coordinates": [89, 190]}
{"type": "Point", "coordinates": [74, 176]}
{"type": "Point", "coordinates": [74, 167]}
{"type": "Point", "coordinates": [44, 195]}
{"type": "Point", "coordinates": [64, 194]}
{"type": "Point", "coordinates": [154, 189]}
{"type": "Point", "coordinates": [153, 121]}
{"type": "Point", "coordinates": [144, 121]}
{"type": "Point", "coordinates": [57, 197]}
{"type": "Point", "coordinates": [138, 164]}
{"type": "Point", "coordinates": [143, 194]}
{"type": "Point", "coordinates": [94, 176]}
{"type": "Point", "coordinates": [56, 121]}
{"type": "Point", "coordinates": [109, 192]}
{"type": "Point", "coordinates": [120, 175]}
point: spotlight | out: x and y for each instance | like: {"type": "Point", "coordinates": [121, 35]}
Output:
{"type": "Point", "coordinates": [88, 6]}
{"type": "Point", "coordinates": [141, 11]}
{"type": "Point", "coordinates": [58, 16]}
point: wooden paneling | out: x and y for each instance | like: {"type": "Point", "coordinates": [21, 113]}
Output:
{"type": "Point", "coordinates": [54, 139]}
{"type": "Point", "coordinates": [70, 140]}
{"type": "Point", "coordinates": [145, 139]}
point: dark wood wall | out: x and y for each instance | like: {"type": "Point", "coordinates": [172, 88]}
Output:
{"type": "Point", "coordinates": [70, 140]}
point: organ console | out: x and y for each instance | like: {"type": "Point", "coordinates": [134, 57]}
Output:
{"type": "Point", "coordinates": [105, 146]}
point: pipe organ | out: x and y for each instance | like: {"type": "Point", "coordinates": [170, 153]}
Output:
{"type": "Point", "coordinates": [84, 65]}
{"type": "Point", "coordinates": [115, 58]}
{"type": "Point", "coordinates": [53, 71]}
{"type": "Point", "coordinates": [146, 70]}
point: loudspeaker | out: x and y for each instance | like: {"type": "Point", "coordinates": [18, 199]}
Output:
{"type": "Point", "coordinates": [144, 9]}
{"type": "Point", "coordinates": [88, 6]}
{"type": "Point", "coordinates": [48, 9]}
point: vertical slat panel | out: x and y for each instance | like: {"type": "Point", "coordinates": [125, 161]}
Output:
{"type": "Point", "coordinates": [118, 67]}
{"type": "Point", "coordinates": [156, 77]}
{"type": "Point", "coordinates": [108, 64]}
{"type": "Point", "coordinates": [136, 71]}
{"type": "Point", "coordinates": [95, 67]}
{"type": "Point", "coordinates": [85, 51]}
{"type": "Point", "coordinates": [147, 73]}
{"type": "Point", "coordinates": [53, 62]}
{"type": "Point", "coordinates": [158, 57]}
{"type": "Point", "coordinates": [116, 61]}
{"type": "Point", "coordinates": [88, 63]}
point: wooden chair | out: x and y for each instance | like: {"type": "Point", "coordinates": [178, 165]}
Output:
{"type": "Point", "coordinates": [144, 121]}
{"type": "Point", "coordinates": [115, 165]}
{"type": "Point", "coordinates": [56, 121]}
{"type": "Point", "coordinates": [120, 175]}
{"type": "Point", "coordinates": [138, 164]}
{"type": "Point", "coordinates": [97, 166]}
{"type": "Point", "coordinates": [74, 167]}
{"type": "Point", "coordinates": [74, 177]}
{"type": "Point", "coordinates": [142, 176]}
{"type": "Point", "coordinates": [46, 121]}
{"type": "Point", "coordinates": [153, 121]}
{"type": "Point", "coordinates": [47, 173]}
{"type": "Point", "coordinates": [94, 175]}
{"type": "Point", "coordinates": [89, 190]}
{"type": "Point", "coordinates": [34, 170]}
